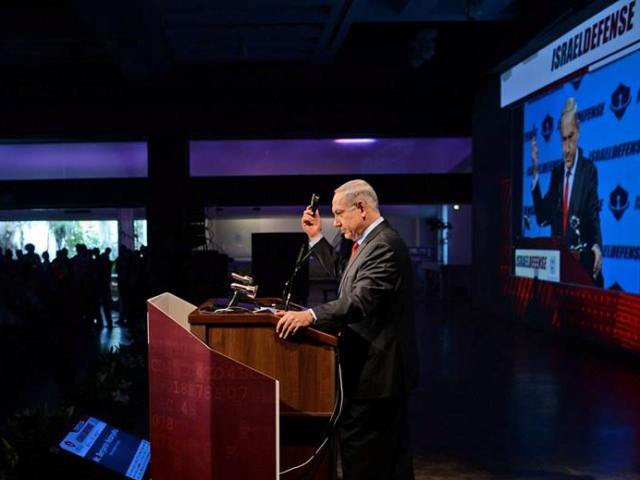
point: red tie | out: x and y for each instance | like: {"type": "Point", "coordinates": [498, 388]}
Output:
{"type": "Point", "coordinates": [354, 249]}
{"type": "Point", "coordinates": [565, 203]}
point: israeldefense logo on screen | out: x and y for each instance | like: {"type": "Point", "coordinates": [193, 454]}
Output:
{"type": "Point", "coordinates": [540, 264]}
{"type": "Point", "coordinates": [620, 100]}
{"type": "Point", "coordinates": [576, 82]}
{"type": "Point", "coordinates": [608, 33]}
{"type": "Point", "coordinates": [597, 32]}
{"type": "Point", "coordinates": [603, 189]}
{"type": "Point", "coordinates": [547, 128]}
{"type": "Point", "coordinates": [618, 202]}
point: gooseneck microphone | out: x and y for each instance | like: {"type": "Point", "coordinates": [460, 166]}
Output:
{"type": "Point", "coordinates": [302, 257]}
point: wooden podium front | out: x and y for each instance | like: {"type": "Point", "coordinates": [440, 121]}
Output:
{"type": "Point", "coordinates": [304, 365]}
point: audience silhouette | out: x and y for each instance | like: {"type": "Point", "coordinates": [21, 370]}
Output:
{"type": "Point", "coordinates": [74, 290]}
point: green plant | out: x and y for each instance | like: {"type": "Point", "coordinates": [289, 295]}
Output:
{"type": "Point", "coordinates": [25, 449]}
{"type": "Point", "coordinates": [115, 389]}
{"type": "Point", "coordinates": [117, 385]}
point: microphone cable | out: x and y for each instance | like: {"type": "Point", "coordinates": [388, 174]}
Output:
{"type": "Point", "coordinates": [330, 428]}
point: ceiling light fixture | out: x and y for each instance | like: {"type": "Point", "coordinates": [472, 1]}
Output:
{"type": "Point", "coordinates": [354, 141]}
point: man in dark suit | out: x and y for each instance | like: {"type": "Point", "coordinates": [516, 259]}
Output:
{"type": "Point", "coordinates": [377, 349]}
{"type": "Point", "coordinates": [572, 194]}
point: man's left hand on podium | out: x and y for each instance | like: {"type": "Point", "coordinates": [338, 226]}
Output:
{"type": "Point", "coordinates": [290, 322]}
{"type": "Point", "coordinates": [597, 260]}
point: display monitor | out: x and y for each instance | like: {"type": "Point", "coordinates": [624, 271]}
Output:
{"type": "Point", "coordinates": [580, 177]}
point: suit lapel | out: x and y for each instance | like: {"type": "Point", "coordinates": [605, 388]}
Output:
{"type": "Point", "coordinates": [577, 185]}
{"type": "Point", "coordinates": [360, 253]}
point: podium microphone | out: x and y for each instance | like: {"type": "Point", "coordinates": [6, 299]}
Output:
{"type": "Point", "coordinates": [244, 279]}
{"type": "Point", "coordinates": [248, 290]}
{"type": "Point", "coordinates": [288, 286]}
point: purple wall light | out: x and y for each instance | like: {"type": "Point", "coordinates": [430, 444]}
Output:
{"type": "Point", "coordinates": [60, 161]}
{"type": "Point", "coordinates": [327, 157]}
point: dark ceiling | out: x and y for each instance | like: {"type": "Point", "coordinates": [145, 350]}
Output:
{"type": "Point", "coordinates": [254, 67]}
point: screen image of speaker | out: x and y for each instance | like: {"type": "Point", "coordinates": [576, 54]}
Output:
{"type": "Point", "coordinates": [607, 138]}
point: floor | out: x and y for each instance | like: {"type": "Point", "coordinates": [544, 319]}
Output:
{"type": "Point", "coordinates": [495, 401]}
{"type": "Point", "coordinates": [39, 363]}
{"type": "Point", "coordinates": [501, 401]}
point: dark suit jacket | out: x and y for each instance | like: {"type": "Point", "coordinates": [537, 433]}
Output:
{"type": "Point", "coordinates": [374, 309]}
{"type": "Point", "coordinates": [584, 204]}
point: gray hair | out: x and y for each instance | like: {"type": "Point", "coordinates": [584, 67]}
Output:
{"type": "Point", "coordinates": [358, 190]}
{"type": "Point", "coordinates": [570, 110]}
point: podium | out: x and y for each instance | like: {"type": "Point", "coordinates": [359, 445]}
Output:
{"type": "Point", "coordinates": [304, 365]}
{"type": "Point", "coordinates": [571, 270]}
{"type": "Point", "coordinates": [230, 399]}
